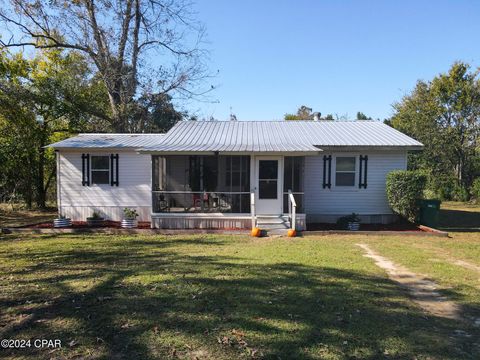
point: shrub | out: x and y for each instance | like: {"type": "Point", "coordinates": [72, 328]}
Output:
{"type": "Point", "coordinates": [475, 189]}
{"type": "Point", "coordinates": [130, 214]}
{"type": "Point", "coordinates": [342, 223]}
{"type": "Point", "coordinates": [460, 193]}
{"type": "Point", "coordinates": [404, 189]}
{"type": "Point", "coordinates": [96, 216]}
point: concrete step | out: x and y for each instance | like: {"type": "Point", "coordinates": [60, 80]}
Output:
{"type": "Point", "coordinates": [269, 227]}
{"type": "Point", "coordinates": [281, 232]}
{"type": "Point", "coordinates": [271, 219]}
{"type": "Point", "coordinates": [274, 224]}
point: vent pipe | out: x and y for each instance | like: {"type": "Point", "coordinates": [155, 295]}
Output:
{"type": "Point", "coordinates": [316, 116]}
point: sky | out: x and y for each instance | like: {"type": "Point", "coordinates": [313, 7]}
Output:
{"type": "Point", "coordinates": [336, 57]}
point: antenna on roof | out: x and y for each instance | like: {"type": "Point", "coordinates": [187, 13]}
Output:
{"type": "Point", "coordinates": [233, 117]}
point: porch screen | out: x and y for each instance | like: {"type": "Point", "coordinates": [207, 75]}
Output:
{"type": "Point", "coordinates": [293, 180]}
{"type": "Point", "coordinates": [198, 183]}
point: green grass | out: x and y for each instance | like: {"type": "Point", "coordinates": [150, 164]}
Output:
{"type": "Point", "coordinates": [226, 297]}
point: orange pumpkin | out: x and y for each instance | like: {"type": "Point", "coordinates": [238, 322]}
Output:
{"type": "Point", "coordinates": [291, 233]}
{"type": "Point", "coordinates": [256, 232]}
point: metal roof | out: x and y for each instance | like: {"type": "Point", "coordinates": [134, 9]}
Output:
{"type": "Point", "coordinates": [251, 136]}
{"type": "Point", "coordinates": [278, 136]}
{"type": "Point", "coordinates": [109, 141]}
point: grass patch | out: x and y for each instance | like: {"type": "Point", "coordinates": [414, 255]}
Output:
{"type": "Point", "coordinates": [217, 297]}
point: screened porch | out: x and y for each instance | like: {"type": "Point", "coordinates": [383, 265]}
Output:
{"type": "Point", "coordinates": [218, 183]}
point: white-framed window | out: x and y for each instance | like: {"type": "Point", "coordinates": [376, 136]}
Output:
{"type": "Point", "coordinates": [100, 170]}
{"type": "Point", "coordinates": [345, 171]}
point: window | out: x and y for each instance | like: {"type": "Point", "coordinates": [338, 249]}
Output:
{"type": "Point", "coordinates": [100, 170]}
{"type": "Point", "coordinates": [345, 171]}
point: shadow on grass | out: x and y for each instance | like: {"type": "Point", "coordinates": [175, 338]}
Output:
{"type": "Point", "coordinates": [143, 300]}
{"type": "Point", "coordinates": [459, 220]}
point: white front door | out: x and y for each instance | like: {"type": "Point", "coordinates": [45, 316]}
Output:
{"type": "Point", "coordinates": [269, 173]}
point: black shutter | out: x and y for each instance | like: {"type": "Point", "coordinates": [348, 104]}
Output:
{"type": "Point", "coordinates": [362, 176]}
{"type": "Point", "coordinates": [114, 169]}
{"type": "Point", "coordinates": [327, 171]}
{"type": "Point", "coordinates": [85, 170]}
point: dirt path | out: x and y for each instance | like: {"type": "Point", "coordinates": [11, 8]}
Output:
{"type": "Point", "coordinates": [464, 264]}
{"type": "Point", "coordinates": [422, 290]}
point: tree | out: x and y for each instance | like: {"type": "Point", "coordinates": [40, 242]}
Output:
{"type": "Point", "coordinates": [444, 114]}
{"type": "Point", "coordinates": [303, 113]}
{"type": "Point", "coordinates": [154, 113]}
{"type": "Point", "coordinates": [122, 39]}
{"type": "Point", "coordinates": [362, 116]}
{"type": "Point", "coordinates": [42, 99]}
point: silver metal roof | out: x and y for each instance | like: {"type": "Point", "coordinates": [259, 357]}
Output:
{"type": "Point", "coordinates": [251, 136]}
{"type": "Point", "coordinates": [133, 141]}
{"type": "Point", "coordinates": [278, 136]}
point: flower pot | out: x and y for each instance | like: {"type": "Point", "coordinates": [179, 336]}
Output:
{"type": "Point", "coordinates": [353, 226]}
{"type": "Point", "coordinates": [129, 223]}
{"type": "Point", "coordinates": [62, 222]}
{"type": "Point", "coordinates": [95, 222]}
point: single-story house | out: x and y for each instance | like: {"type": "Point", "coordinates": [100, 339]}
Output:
{"type": "Point", "coordinates": [234, 174]}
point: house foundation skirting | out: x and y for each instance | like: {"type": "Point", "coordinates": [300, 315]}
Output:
{"type": "Point", "coordinates": [201, 221]}
{"type": "Point", "coordinates": [114, 213]}
{"type": "Point", "coordinates": [364, 219]}
{"type": "Point", "coordinates": [209, 221]}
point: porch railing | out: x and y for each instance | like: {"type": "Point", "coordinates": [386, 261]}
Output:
{"type": "Point", "coordinates": [252, 210]}
{"type": "Point", "coordinates": [200, 202]}
{"type": "Point", "coordinates": [292, 210]}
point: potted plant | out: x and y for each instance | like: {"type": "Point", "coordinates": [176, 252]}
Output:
{"type": "Point", "coordinates": [130, 218]}
{"type": "Point", "coordinates": [95, 220]}
{"type": "Point", "coordinates": [349, 222]}
{"type": "Point", "coordinates": [62, 221]}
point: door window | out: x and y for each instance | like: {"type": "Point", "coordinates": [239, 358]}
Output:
{"type": "Point", "coordinates": [268, 179]}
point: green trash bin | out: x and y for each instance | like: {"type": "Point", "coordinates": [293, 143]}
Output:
{"type": "Point", "coordinates": [429, 212]}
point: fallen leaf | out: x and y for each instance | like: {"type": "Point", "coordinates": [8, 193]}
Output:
{"type": "Point", "coordinates": [238, 332]}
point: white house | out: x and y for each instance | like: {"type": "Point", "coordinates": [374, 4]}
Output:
{"type": "Point", "coordinates": [234, 174]}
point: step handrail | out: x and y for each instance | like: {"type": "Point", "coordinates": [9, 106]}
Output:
{"type": "Point", "coordinates": [252, 209]}
{"type": "Point", "coordinates": [292, 210]}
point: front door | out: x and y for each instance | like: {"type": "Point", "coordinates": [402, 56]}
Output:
{"type": "Point", "coordinates": [269, 170]}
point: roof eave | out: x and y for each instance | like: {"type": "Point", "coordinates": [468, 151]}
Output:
{"type": "Point", "coordinates": [193, 152]}
{"type": "Point", "coordinates": [371, 147]}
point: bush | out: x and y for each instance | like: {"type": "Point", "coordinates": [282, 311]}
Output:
{"type": "Point", "coordinates": [460, 193]}
{"type": "Point", "coordinates": [404, 189]}
{"type": "Point", "coordinates": [130, 214]}
{"type": "Point", "coordinates": [342, 223]}
{"type": "Point", "coordinates": [475, 189]}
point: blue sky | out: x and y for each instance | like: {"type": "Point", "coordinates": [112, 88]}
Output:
{"type": "Point", "coordinates": [337, 57]}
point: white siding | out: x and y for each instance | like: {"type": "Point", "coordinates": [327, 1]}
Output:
{"type": "Point", "coordinates": [328, 204]}
{"type": "Point", "coordinates": [134, 190]}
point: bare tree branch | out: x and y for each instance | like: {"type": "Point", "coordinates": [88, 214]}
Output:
{"type": "Point", "coordinates": [131, 43]}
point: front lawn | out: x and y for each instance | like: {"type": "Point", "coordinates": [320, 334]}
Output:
{"type": "Point", "coordinates": [228, 297]}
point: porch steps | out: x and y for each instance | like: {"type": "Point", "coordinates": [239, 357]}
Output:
{"type": "Point", "coordinates": [273, 224]}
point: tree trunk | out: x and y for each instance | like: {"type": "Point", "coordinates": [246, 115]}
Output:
{"type": "Point", "coordinates": [40, 178]}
